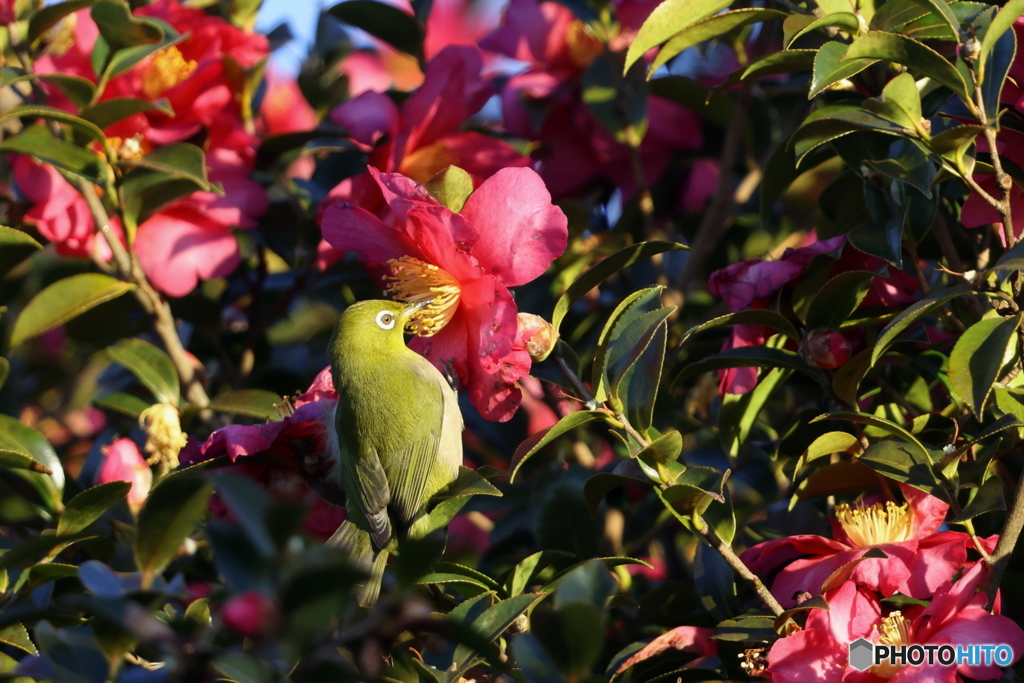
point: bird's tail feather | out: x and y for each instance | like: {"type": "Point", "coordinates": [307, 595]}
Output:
{"type": "Point", "coordinates": [357, 544]}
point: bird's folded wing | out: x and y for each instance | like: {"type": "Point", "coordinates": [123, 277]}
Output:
{"type": "Point", "coordinates": [366, 478]}
{"type": "Point", "coordinates": [409, 482]}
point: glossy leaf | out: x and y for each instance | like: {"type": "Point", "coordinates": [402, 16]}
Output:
{"type": "Point", "coordinates": [171, 514]}
{"type": "Point", "coordinates": [538, 441]}
{"type": "Point", "coordinates": [36, 141]}
{"type": "Point", "coordinates": [752, 357]}
{"type": "Point", "coordinates": [764, 317]}
{"type": "Point", "coordinates": [48, 16]}
{"type": "Point", "coordinates": [838, 299]}
{"type": "Point", "coordinates": [830, 68]}
{"type": "Point", "coordinates": [921, 453]}
{"type": "Point", "coordinates": [629, 310]}
{"type": "Point", "coordinates": [151, 365]}
{"type": "Point", "coordinates": [902, 462]}
{"type": "Point", "coordinates": [1003, 21]}
{"type": "Point", "coordinates": [109, 112]}
{"type": "Point", "coordinates": [847, 21]}
{"type": "Point", "coordinates": [396, 28]}
{"type": "Point", "coordinates": [661, 457]}
{"type": "Point", "coordinates": [65, 300]}
{"type": "Point", "coordinates": [883, 239]}
{"type": "Point", "coordinates": [18, 439]}
{"type": "Point", "coordinates": [667, 19]}
{"type": "Point", "coordinates": [997, 67]}
{"type": "Point", "coordinates": [941, 9]}
{"type": "Point", "coordinates": [604, 269]}
{"type": "Point", "coordinates": [989, 498]}
{"type": "Point", "coordinates": [709, 28]}
{"type": "Point", "coordinates": [829, 443]}
{"type": "Point", "coordinates": [89, 505]}
{"type": "Point", "coordinates": [252, 402]}
{"type": "Point", "coordinates": [126, 404]}
{"type": "Point", "coordinates": [491, 624]}
{"type": "Point", "coordinates": [978, 356]}
{"type": "Point", "coordinates": [896, 48]}
{"type": "Point", "coordinates": [78, 90]}
{"type": "Point", "coordinates": [911, 314]}
{"type": "Point", "coordinates": [15, 247]}
{"type": "Point", "coordinates": [895, 14]}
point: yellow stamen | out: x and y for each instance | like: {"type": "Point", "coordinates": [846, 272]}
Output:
{"type": "Point", "coordinates": [413, 281]}
{"type": "Point", "coordinates": [131, 149]}
{"type": "Point", "coordinates": [61, 37]}
{"type": "Point", "coordinates": [868, 525]}
{"type": "Point", "coordinates": [164, 439]}
{"type": "Point", "coordinates": [895, 631]}
{"type": "Point", "coordinates": [165, 70]}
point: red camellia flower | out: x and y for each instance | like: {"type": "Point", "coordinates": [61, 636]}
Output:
{"type": "Point", "coordinates": [295, 452]}
{"type": "Point", "coordinates": [825, 349]}
{"type": "Point", "coordinates": [250, 614]}
{"type": "Point", "coordinates": [956, 616]}
{"type": "Point", "coordinates": [122, 461]}
{"type": "Point", "coordinates": [507, 234]}
{"type": "Point", "coordinates": [918, 559]}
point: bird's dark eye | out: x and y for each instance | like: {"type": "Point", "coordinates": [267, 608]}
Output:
{"type": "Point", "coordinates": [385, 320]}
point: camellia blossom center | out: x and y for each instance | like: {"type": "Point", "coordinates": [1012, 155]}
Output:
{"type": "Point", "coordinates": [868, 525]}
{"type": "Point", "coordinates": [414, 281]}
{"type": "Point", "coordinates": [167, 69]}
{"type": "Point", "coordinates": [894, 631]}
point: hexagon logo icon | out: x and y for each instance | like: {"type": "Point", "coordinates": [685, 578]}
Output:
{"type": "Point", "coordinates": [860, 654]}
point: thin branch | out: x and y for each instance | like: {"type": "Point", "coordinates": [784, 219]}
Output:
{"type": "Point", "coordinates": [1000, 558]}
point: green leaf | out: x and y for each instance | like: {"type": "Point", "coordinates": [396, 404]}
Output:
{"type": "Point", "coordinates": [752, 357]}
{"type": "Point", "coordinates": [17, 439]}
{"type": "Point", "coordinates": [660, 458]}
{"type": "Point", "coordinates": [252, 402]}
{"type": "Point", "coordinates": [838, 299]}
{"type": "Point", "coordinates": [249, 502]}
{"type": "Point", "coordinates": [941, 9]}
{"type": "Point", "coordinates": [198, 612]}
{"type": "Point", "coordinates": [895, 14]}
{"type": "Point", "coordinates": [124, 60]}
{"type": "Point", "coordinates": [710, 28]}
{"type": "Point", "coordinates": [89, 505]}
{"type": "Point", "coordinates": [883, 239]}
{"type": "Point", "coordinates": [36, 141]}
{"type": "Point", "coordinates": [900, 49]}
{"type": "Point", "coordinates": [847, 21]}
{"type": "Point", "coordinates": [15, 635]}
{"type": "Point", "coordinates": [668, 19]}
{"type": "Point", "coordinates": [160, 177]}
{"type": "Point", "coordinates": [627, 346]}
{"type": "Point", "coordinates": [901, 462]}
{"type": "Point", "coordinates": [629, 310]}
{"type": "Point", "coordinates": [171, 514]}
{"type": "Point", "coordinates": [827, 444]}
{"type": "Point", "coordinates": [989, 498]}
{"type": "Point", "coordinates": [181, 161]}
{"type": "Point", "coordinates": [42, 111]}
{"type": "Point", "coordinates": [385, 22]}
{"type": "Point", "coordinates": [909, 315]}
{"type": "Point", "coordinates": [451, 187]}
{"type": "Point", "coordinates": [1002, 23]}
{"type": "Point", "coordinates": [109, 112]}
{"type": "Point", "coordinates": [911, 164]}
{"type": "Point", "coordinates": [80, 91]}
{"type": "Point", "coordinates": [64, 300]}
{"type": "Point", "coordinates": [934, 26]}
{"type": "Point", "coordinates": [541, 439]}
{"type": "Point", "coordinates": [642, 380]}
{"type": "Point", "coordinates": [600, 485]}
{"type": "Point", "coordinates": [997, 68]}
{"type": "Point", "coordinates": [43, 20]}
{"type": "Point", "coordinates": [15, 247]}
{"type": "Point", "coordinates": [151, 365]}
{"type": "Point", "coordinates": [450, 572]}
{"type": "Point", "coordinates": [900, 102]}
{"type": "Point", "coordinates": [126, 404]}
{"type": "Point", "coordinates": [977, 358]}
{"type": "Point", "coordinates": [120, 28]}
{"type": "Point", "coordinates": [759, 316]}
{"type": "Point", "coordinates": [5, 370]}
{"type": "Point", "coordinates": [787, 61]}
{"type": "Point", "coordinates": [604, 269]}
{"type": "Point", "coordinates": [491, 624]}
{"type": "Point", "coordinates": [738, 413]}
{"type": "Point", "coordinates": [239, 667]}
{"type": "Point", "coordinates": [522, 573]}
{"type": "Point", "coordinates": [883, 424]}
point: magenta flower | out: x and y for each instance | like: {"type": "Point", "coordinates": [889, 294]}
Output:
{"type": "Point", "coordinates": [956, 616]}
{"type": "Point", "coordinates": [122, 461]}
{"type": "Point", "coordinates": [918, 559]}
{"type": "Point", "coordinates": [507, 234]}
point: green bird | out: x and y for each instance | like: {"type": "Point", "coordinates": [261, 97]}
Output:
{"type": "Point", "coordinates": [397, 436]}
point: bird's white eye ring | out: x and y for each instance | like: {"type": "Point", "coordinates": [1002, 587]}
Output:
{"type": "Point", "coordinates": [385, 320]}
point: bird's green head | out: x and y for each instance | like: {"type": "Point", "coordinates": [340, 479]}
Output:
{"type": "Point", "coordinates": [373, 327]}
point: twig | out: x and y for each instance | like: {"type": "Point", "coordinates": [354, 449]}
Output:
{"type": "Point", "coordinates": [1000, 558]}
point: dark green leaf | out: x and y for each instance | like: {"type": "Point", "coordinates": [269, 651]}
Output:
{"type": "Point", "coordinates": [909, 315]}
{"type": "Point", "coordinates": [830, 67]}
{"type": "Point", "coordinates": [78, 90]}
{"type": "Point", "coordinates": [910, 164]}
{"type": "Point", "coordinates": [838, 299]}
{"type": "Point", "coordinates": [64, 300]}
{"type": "Point", "coordinates": [841, 478]}
{"type": "Point", "coordinates": [710, 28]}
{"type": "Point", "coordinates": [252, 402]}
{"type": "Point", "coordinates": [15, 247]}
{"type": "Point", "coordinates": [895, 14]}
{"type": "Point", "coordinates": [941, 9]}
{"type": "Point", "coordinates": [881, 238]}
{"type": "Point", "coordinates": [5, 370]}
{"type": "Point", "coordinates": [36, 141]}
{"type": "Point", "coordinates": [89, 505]}
{"type": "Point", "coordinates": [18, 441]}
{"type": "Point", "coordinates": [883, 424]}
{"type": "Point", "coordinates": [902, 50]}
{"type": "Point", "coordinates": [604, 269]}
{"type": "Point", "coordinates": [522, 573]}
{"type": "Point", "coordinates": [536, 442]}
{"type": "Point", "coordinates": [491, 624]}
{"type": "Point", "coordinates": [49, 15]}
{"type": "Point", "coordinates": [109, 112]}
{"type": "Point", "coordinates": [668, 19]}
{"type": "Point", "coordinates": [15, 635]}
{"type": "Point", "coordinates": [600, 485]}
{"type": "Point", "coordinates": [989, 498]}
{"type": "Point", "coordinates": [752, 357]}
{"type": "Point", "coordinates": [393, 26]}
{"type": "Point", "coordinates": [1002, 23]}
{"type": "Point", "coordinates": [660, 459]}
{"type": "Point", "coordinates": [997, 67]}
{"type": "Point", "coordinates": [126, 404]}
{"type": "Point", "coordinates": [171, 514]}
{"type": "Point", "coordinates": [628, 312]}
{"type": "Point", "coordinates": [627, 346]}
{"type": "Point", "coordinates": [847, 21]}
{"type": "Point", "coordinates": [151, 365]}
{"type": "Point", "coordinates": [120, 28]}
{"type": "Point", "coordinates": [979, 355]}
{"type": "Point", "coordinates": [41, 111]}
{"type": "Point", "coordinates": [249, 503]}
{"type": "Point", "coordinates": [901, 462]}
{"type": "Point", "coordinates": [618, 102]}
{"type": "Point", "coordinates": [763, 317]}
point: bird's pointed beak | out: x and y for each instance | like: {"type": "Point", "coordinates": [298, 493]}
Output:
{"type": "Point", "coordinates": [413, 307]}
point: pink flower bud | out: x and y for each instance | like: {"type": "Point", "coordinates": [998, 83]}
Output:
{"type": "Point", "coordinates": [537, 334]}
{"type": "Point", "coordinates": [824, 348]}
{"type": "Point", "coordinates": [123, 462]}
{"type": "Point", "coordinates": [250, 614]}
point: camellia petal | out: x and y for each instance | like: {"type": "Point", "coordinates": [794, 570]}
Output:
{"type": "Point", "coordinates": [179, 248]}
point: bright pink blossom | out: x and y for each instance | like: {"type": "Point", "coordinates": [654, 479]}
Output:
{"type": "Point", "coordinates": [955, 616]}
{"type": "Point", "coordinates": [918, 559]}
{"type": "Point", "coordinates": [284, 109]}
{"type": "Point", "coordinates": [122, 461]}
{"type": "Point", "coordinates": [251, 614]}
{"type": "Point", "coordinates": [507, 234]}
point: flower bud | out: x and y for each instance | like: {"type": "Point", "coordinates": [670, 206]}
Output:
{"type": "Point", "coordinates": [123, 462]}
{"type": "Point", "coordinates": [164, 439]}
{"type": "Point", "coordinates": [824, 348]}
{"type": "Point", "coordinates": [537, 334]}
{"type": "Point", "coordinates": [250, 615]}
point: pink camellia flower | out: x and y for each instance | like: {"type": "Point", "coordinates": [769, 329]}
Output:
{"type": "Point", "coordinates": [752, 283]}
{"type": "Point", "coordinates": [577, 150]}
{"type": "Point", "coordinates": [287, 456]}
{"type": "Point", "coordinates": [251, 614]}
{"type": "Point", "coordinates": [284, 108]}
{"type": "Point", "coordinates": [423, 136]}
{"type": "Point", "coordinates": [824, 349]}
{"type": "Point", "coordinates": [507, 234]}
{"type": "Point", "coordinates": [122, 461]}
{"type": "Point", "coordinates": [918, 557]}
{"type": "Point", "coordinates": [955, 616]}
